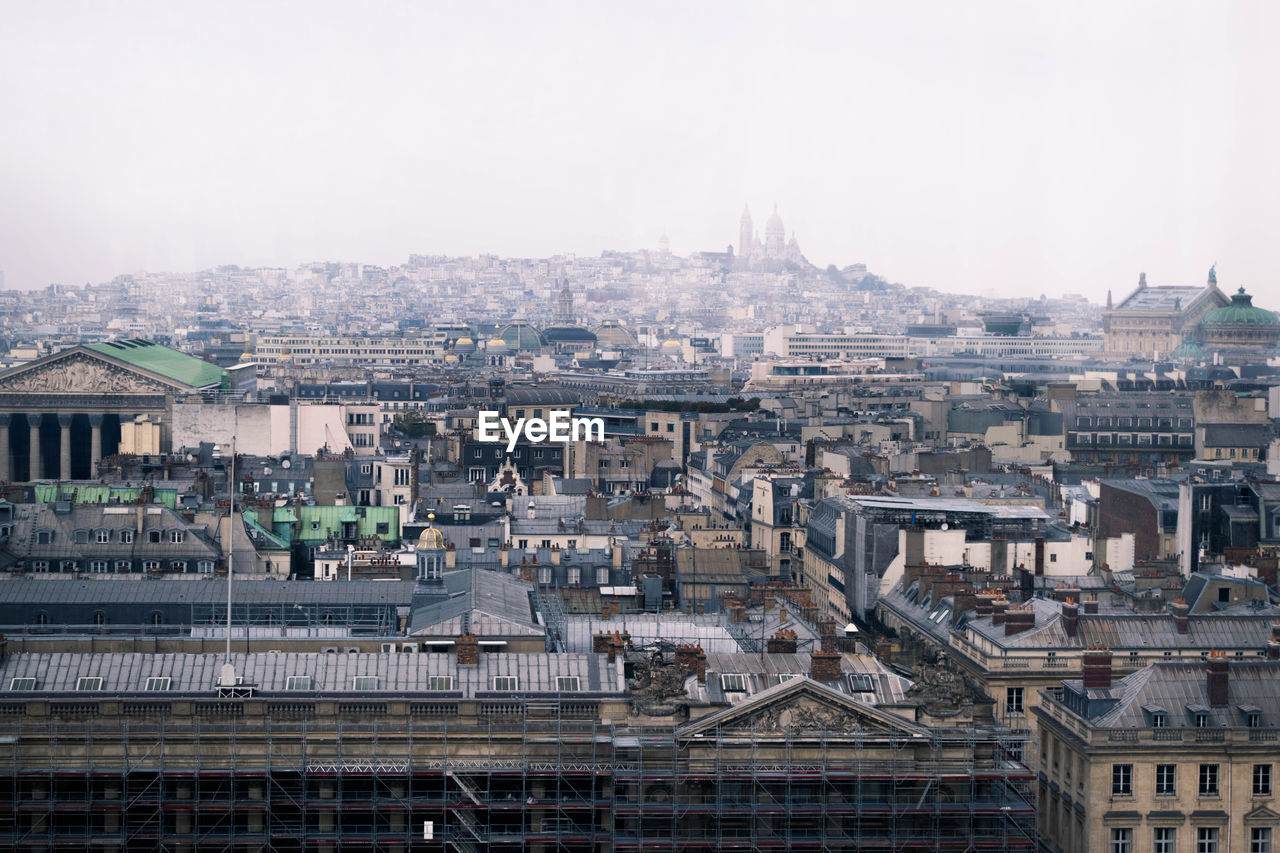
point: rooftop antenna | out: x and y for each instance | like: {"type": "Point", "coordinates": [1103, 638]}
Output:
{"type": "Point", "coordinates": [227, 677]}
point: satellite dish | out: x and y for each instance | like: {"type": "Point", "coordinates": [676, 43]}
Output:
{"type": "Point", "coordinates": [286, 462]}
{"type": "Point", "coordinates": [945, 525]}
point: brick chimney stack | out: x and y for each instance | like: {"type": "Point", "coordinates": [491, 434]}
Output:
{"type": "Point", "coordinates": [692, 660]}
{"type": "Point", "coordinates": [1217, 679]}
{"type": "Point", "coordinates": [783, 642]}
{"type": "Point", "coordinates": [824, 666]}
{"type": "Point", "coordinates": [1181, 611]}
{"type": "Point", "coordinates": [468, 648]}
{"type": "Point", "coordinates": [1070, 617]}
{"type": "Point", "coordinates": [1019, 618]}
{"type": "Point", "coordinates": [998, 607]}
{"type": "Point", "coordinates": [1273, 645]}
{"type": "Point", "coordinates": [1097, 668]}
{"type": "Point", "coordinates": [1091, 604]}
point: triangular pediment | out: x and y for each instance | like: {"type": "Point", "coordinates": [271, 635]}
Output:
{"type": "Point", "coordinates": [79, 372]}
{"type": "Point", "coordinates": [1262, 814]}
{"type": "Point", "coordinates": [803, 705]}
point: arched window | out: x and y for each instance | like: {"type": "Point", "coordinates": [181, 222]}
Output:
{"type": "Point", "coordinates": [157, 618]}
{"type": "Point", "coordinates": [42, 619]}
{"type": "Point", "coordinates": [99, 618]}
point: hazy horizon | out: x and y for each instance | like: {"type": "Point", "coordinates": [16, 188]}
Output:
{"type": "Point", "coordinates": [1007, 147]}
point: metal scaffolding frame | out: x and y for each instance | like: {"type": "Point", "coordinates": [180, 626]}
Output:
{"type": "Point", "coordinates": [547, 784]}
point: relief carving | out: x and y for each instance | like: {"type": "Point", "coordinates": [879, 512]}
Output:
{"type": "Point", "coordinates": [803, 716]}
{"type": "Point", "coordinates": [80, 374]}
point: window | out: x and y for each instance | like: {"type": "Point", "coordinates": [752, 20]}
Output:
{"type": "Point", "coordinates": [40, 567]}
{"type": "Point", "coordinates": [122, 566]}
{"type": "Point", "coordinates": [297, 682]}
{"type": "Point", "coordinates": [364, 682]}
{"type": "Point", "coordinates": [440, 682]}
{"type": "Point", "coordinates": [602, 577]}
{"type": "Point", "coordinates": [1013, 700]}
{"type": "Point", "coordinates": [99, 618]}
{"type": "Point", "coordinates": [151, 565]}
{"type": "Point", "coordinates": [179, 566]}
{"type": "Point", "coordinates": [506, 682]}
{"type": "Point", "coordinates": [1159, 720]}
{"type": "Point", "coordinates": [153, 536]}
{"type": "Point", "coordinates": [98, 567]}
{"type": "Point", "coordinates": [1262, 780]}
{"type": "Point", "coordinates": [126, 536]}
{"type": "Point", "coordinates": [1260, 839]}
{"type": "Point", "coordinates": [544, 575]}
{"type": "Point", "coordinates": [22, 684]}
{"type": "Point", "coordinates": [205, 567]}
{"type": "Point", "coordinates": [1166, 780]}
{"type": "Point", "coordinates": [88, 682]}
{"type": "Point", "coordinates": [156, 684]}
{"type": "Point", "coordinates": [575, 577]}
{"type": "Point", "coordinates": [1202, 720]}
{"type": "Point", "coordinates": [733, 683]}
{"type": "Point", "coordinates": [1121, 780]}
{"type": "Point", "coordinates": [1207, 839]}
{"type": "Point", "coordinates": [1253, 719]}
{"type": "Point", "coordinates": [1164, 839]}
{"type": "Point", "coordinates": [1122, 841]}
{"type": "Point", "coordinates": [1208, 780]}
{"type": "Point", "coordinates": [102, 537]}
{"type": "Point", "coordinates": [566, 683]}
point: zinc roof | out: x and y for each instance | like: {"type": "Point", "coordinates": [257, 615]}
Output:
{"type": "Point", "coordinates": [170, 363]}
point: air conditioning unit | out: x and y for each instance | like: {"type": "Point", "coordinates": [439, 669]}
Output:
{"type": "Point", "coordinates": [330, 650]}
{"type": "Point", "coordinates": [388, 647]}
{"type": "Point", "coordinates": [408, 647]}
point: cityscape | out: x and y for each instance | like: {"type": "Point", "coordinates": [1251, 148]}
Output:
{"type": "Point", "coordinates": [718, 547]}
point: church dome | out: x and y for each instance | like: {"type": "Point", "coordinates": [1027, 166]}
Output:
{"type": "Point", "coordinates": [450, 359]}
{"type": "Point", "coordinates": [671, 344]}
{"type": "Point", "coordinates": [1241, 311]}
{"type": "Point", "coordinates": [464, 344]}
{"type": "Point", "coordinates": [1188, 350]}
{"type": "Point", "coordinates": [521, 337]}
{"type": "Point", "coordinates": [613, 336]}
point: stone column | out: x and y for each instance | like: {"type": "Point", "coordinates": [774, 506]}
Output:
{"type": "Point", "coordinates": [64, 459]}
{"type": "Point", "coordinates": [37, 464]}
{"type": "Point", "coordinates": [95, 446]}
{"type": "Point", "coordinates": [6, 465]}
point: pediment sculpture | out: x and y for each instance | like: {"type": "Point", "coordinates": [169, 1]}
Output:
{"type": "Point", "coordinates": [80, 374]}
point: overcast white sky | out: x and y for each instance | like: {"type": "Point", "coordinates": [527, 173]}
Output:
{"type": "Point", "coordinates": [1018, 147]}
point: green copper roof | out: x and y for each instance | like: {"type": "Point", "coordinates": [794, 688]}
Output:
{"type": "Point", "coordinates": [160, 359]}
{"type": "Point", "coordinates": [1188, 350]}
{"type": "Point", "coordinates": [1241, 310]}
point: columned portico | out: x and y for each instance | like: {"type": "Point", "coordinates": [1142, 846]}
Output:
{"type": "Point", "coordinates": [95, 444]}
{"type": "Point", "coordinates": [64, 453]}
{"type": "Point", "coordinates": [37, 464]}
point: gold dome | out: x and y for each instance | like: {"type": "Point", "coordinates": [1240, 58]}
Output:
{"type": "Point", "coordinates": [431, 539]}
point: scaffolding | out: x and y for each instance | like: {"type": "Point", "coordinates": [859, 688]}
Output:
{"type": "Point", "coordinates": [519, 776]}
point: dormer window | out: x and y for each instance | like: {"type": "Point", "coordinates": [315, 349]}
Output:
{"type": "Point", "coordinates": [44, 537]}
{"type": "Point", "coordinates": [733, 683]}
{"type": "Point", "coordinates": [1202, 720]}
{"type": "Point", "coordinates": [126, 537]}
{"type": "Point", "coordinates": [102, 537]}
{"type": "Point", "coordinates": [176, 537]}
{"type": "Point", "coordinates": [153, 536]}
{"type": "Point", "coordinates": [1159, 720]}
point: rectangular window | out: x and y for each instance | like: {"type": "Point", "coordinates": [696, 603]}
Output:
{"type": "Point", "coordinates": [153, 537]}
{"type": "Point", "coordinates": [1207, 839]}
{"type": "Point", "coordinates": [175, 537]}
{"type": "Point", "coordinates": [1260, 839]}
{"type": "Point", "coordinates": [440, 682]}
{"type": "Point", "coordinates": [1164, 839]}
{"type": "Point", "coordinates": [506, 682]}
{"type": "Point", "coordinates": [89, 682]}
{"type": "Point", "coordinates": [1262, 780]}
{"type": "Point", "coordinates": [1013, 700]}
{"type": "Point", "coordinates": [206, 567]}
{"type": "Point", "coordinates": [602, 577]}
{"type": "Point", "coordinates": [364, 682]}
{"type": "Point", "coordinates": [1121, 780]}
{"type": "Point", "coordinates": [575, 577]}
{"type": "Point", "coordinates": [544, 575]}
{"type": "Point", "coordinates": [98, 567]}
{"type": "Point", "coordinates": [567, 683]}
{"type": "Point", "coordinates": [126, 536]}
{"type": "Point", "coordinates": [1166, 780]}
{"type": "Point", "coordinates": [1208, 780]}
{"type": "Point", "coordinates": [157, 684]}
{"type": "Point", "coordinates": [22, 684]}
{"type": "Point", "coordinates": [103, 536]}
{"type": "Point", "coordinates": [1122, 841]}
{"type": "Point", "coordinates": [297, 682]}
{"type": "Point", "coordinates": [733, 683]}
{"type": "Point", "coordinates": [122, 566]}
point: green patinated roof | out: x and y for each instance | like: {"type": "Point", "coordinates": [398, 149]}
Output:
{"type": "Point", "coordinates": [1241, 310]}
{"type": "Point", "coordinates": [49, 492]}
{"type": "Point", "coordinates": [163, 360]}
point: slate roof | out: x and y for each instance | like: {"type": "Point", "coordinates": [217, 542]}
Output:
{"type": "Point", "coordinates": [127, 589]}
{"type": "Point", "coordinates": [494, 604]}
{"type": "Point", "coordinates": [329, 673]}
{"type": "Point", "coordinates": [1175, 686]}
{"type": "Point", "coordinates": [1237, 435]}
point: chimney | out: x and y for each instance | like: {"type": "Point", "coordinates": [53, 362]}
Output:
{"type": "Point", "coordinates": [468, 650]}
{"type": "Point", "coordinates": [617, 554]}
{"type": "Point", "coordinates": [824, 666]}
{"type": "Point", "coordinates": [737, 612]}
{"type": "Point", "coordinates": [1217, 679]}
{"type": "Point", "coordinates": [1091, 604]}
{"type": "Point", "coordinates": [998, 607]}
{"type": "Point", "coordinates": [1181, 611]}
{"type": "Point", "coordinates": [694, 661]}
{"type": "Point", "coordinates": [504, 555]}
{"type": "Point", "coordinates": [1018, 619]}
{"type": "Point", "coordinates": [1039, 556]}
{"type": "Point", "coordinates": [600, 644]}
{"type": "Point", "coordinates": [985, 598]}
{"type": "Point", "coordinates": [451, 557]}
{"type": "Point", "coordinates": [783, 642]}
{"type": "Point", "coordinates": [962, 602]}
{"type": "Point", "coordinates": [1097, 668]}
{"type": "Point", "coordinates": [1273, 645]}
{"type": "Point", "coordinates": [1070, 617]}
{"type": "Point", "coordinates": [555, 555]}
